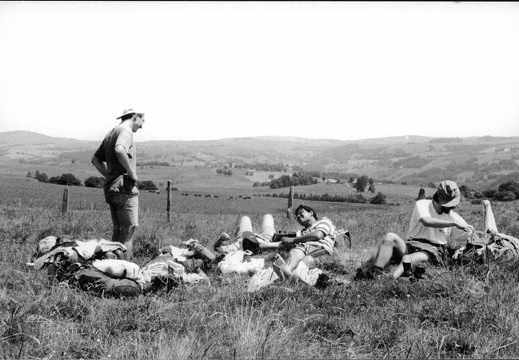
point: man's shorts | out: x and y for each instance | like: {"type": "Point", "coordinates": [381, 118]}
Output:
{"type": "Point", "coordinates": [438, 253]}
{"type": "Point", "coordinates": [312, 250]}
{"type": "Point", "coordinates": [124, 209]}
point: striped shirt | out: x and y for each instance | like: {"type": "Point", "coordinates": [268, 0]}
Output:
{"type": "Point", "coordinates": [326, 226]}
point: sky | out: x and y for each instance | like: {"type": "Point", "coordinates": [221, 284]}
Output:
{"type": "Point", "coordinates": [213, 70]}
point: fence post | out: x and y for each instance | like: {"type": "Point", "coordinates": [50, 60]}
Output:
{"type": "Point", "coordinates": [168, 206]}
{"type": "Point", "coordinates": [290, 201]}
{"type": "Point", "coordinates": [64, 207]}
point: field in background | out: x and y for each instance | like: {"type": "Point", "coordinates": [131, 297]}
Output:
{"type": "Point", "coordinates": [453, 313]}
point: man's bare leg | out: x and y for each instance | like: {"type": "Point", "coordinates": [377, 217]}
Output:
{"type": "Point", "coordinates": [490, 221]}
{"type": "Point", "coordinates": [391, 248]}
{"type": "Point", "coordinates": [408, 261]}
{"type": "Point", "coordinates": [126, 238]}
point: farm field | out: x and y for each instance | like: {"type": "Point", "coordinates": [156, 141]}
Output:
{"type": "Point", "coordinates": [460, 312]}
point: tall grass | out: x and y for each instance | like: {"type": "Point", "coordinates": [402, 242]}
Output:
{"type": "Point", "coordinates": [461, 312]}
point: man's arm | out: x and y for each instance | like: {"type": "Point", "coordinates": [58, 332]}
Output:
{"type": "Point", "coordinates": [100, 166]}
{"type": "Point", "coordinates": [123, 158]}
{"type": "Point", "coordinates": [312, 236]}
{"type": "Point", "coordinates": [439, 223]}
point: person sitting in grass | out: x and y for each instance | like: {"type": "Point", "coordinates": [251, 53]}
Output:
{"type": "Point", "coordinates": [431, 226]}
{"type": "Point", "coordinates": [316, 239]}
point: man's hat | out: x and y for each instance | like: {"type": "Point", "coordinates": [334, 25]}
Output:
{"type": "Point", "coordinates": [448, 193]}
{"type": "Point", "coordinates": [127, 112]}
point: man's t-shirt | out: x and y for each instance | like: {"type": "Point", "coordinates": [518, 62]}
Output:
{"type": "Point", "coordinates": [119, 135]}
{"type": "Point", "coordinates": [326, 226]}
{"type": "Point", "coordinates": [425, 208]}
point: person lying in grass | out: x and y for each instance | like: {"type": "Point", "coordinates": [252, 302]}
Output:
{"type": "Point", "coordinates": [430, 229]}
{"type": "Point", "coordinates": [316, 239]}
{"type": "Point", "coordinates": [246, 239]}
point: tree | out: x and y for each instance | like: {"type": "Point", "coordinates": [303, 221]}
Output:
{"type": "Point", "coordinates": [28, 174]}
{"type": "Point", "coordinates": [489, 193]}
{"type": "Point", "coordinates": [65, 179]}
{"type": "Point", "coordinates": [511, 186]}
{"type": "Point", "coordinates": [378, 199]}
{"type": "Point", "coordinates": [361, 184]}
{"type": "Point", "coordinates": [95, 182]}
{"type": "Point", "coordinates": [146, 185]}
{"type": "Point", "coordinates": [372, 188]}
{"type": "Point", "coordinates": [505, 196]}
{"type": "Point", "coordinates": [41, 177]}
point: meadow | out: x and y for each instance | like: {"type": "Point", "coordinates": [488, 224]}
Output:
{"type": "Point", "coordinates": [459, 312]}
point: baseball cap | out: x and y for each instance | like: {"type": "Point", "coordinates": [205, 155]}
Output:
{"type": "Point", "coordinates": [448, 193]}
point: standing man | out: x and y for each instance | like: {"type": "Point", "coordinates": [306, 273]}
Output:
{"type": "Point", "coordinates": [116, 160]}
{"type": "Point", "coordinates": [433, 223]}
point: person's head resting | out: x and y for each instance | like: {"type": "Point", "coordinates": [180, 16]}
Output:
{"type": "Point", "coordinates": [447, 195]}
{"type": "Point", "coordinates": [137, 118]}
{"type": "Point", "coordinates": [301, 209]}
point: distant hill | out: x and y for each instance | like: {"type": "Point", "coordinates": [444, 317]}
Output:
{"type": "Point", "coordinates": [475, 161]}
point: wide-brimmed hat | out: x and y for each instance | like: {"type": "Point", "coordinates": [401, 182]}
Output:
{"type": "Point", "coordinates": [127, 112]}
{"type": "Point", "coordinates": [448, 193]}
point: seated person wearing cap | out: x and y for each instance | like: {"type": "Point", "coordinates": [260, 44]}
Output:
{"type": "Point", "coordinates": [316, 239]}
{"type": "Point", "coordinates": [430, 229]}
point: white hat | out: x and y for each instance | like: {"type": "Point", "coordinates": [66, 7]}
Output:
{"type": "Point", "coordinates": [127, 112]}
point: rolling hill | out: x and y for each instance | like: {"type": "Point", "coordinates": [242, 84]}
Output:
{"type": "Point", "coordinates": [477, 162]}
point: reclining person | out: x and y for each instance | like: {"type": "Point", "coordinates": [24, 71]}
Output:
{"type": "Point", "coordinates": [431, 226]}
{"type": "Point", "coordinates": [247, 239]}
{"type": "Point", "coordinates": [316, 239]}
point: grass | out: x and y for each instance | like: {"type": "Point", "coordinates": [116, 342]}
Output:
{"type": "Point", "coordinates": [460, 312]}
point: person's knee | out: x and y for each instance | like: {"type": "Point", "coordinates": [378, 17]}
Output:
{"type": "Point", "coordinates": [308, 260]}
{"type": "Point", "coordinates": [391, 237]}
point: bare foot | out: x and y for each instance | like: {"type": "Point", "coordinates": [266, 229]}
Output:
{"type": "Point", "coordinates": [282, 265]}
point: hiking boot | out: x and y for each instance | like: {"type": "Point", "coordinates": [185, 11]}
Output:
{"type": "Point", "coordinates": [407, 270]}
{"type": "Point", "coordinates": [368, 274]}
{"type": "Point", "coordinates": [419, 273]}
{"type": "Point", "coordinates": [323, 281]}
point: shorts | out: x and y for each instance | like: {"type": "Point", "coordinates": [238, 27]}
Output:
{"type": "Point", "coordinates": [124, 209]}
{"type": "Point", "coordinates": [312, 250]}
{"type": "Point", "coordinates": [437, 252]}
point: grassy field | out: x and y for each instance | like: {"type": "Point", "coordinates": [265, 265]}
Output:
{"type": "Point", "coordinates": [464, 312]}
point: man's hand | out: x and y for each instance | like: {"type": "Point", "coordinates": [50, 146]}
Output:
{"type": "Point", "coordinates": [465, 227]}
{"type": "Point", "coordinates": [133, 176]}
{"type": "Point", "coordinates": [287, 241]}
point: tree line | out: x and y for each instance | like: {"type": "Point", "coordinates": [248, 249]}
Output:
{"type": "Point", "coordinates": [69, 179]}
{"type": "Point", "coordinates": [356, 199]}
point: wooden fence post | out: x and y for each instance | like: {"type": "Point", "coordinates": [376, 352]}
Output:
{"type": "Point", "coordinates": [64, 207]}
{"type": "Point", "coordinates": [290, 201]}
{"type": "Point", "coordinates": [168, 206]}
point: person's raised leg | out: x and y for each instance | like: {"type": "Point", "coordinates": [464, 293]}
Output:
{"type": "Point", "coordinates": [267, 229]}
{"type": "Point", "coordinates": [490, 221]}
{"type": "Point", "coordinates": [245, 225]}
{"type": "Point", "coordinates": [392, 248]}
{"type": "Point", "coordinates": [287, 267]}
